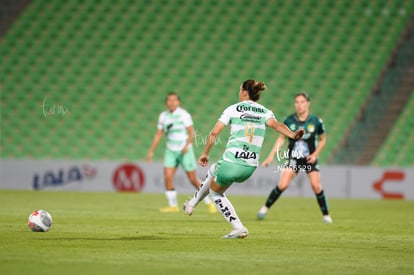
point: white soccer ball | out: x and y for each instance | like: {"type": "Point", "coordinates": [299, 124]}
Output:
{"type": "Point", "coordinates": [40, 221]}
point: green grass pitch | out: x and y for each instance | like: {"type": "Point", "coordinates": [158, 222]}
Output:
{"type": "Point", "coordinates": [124, 233]}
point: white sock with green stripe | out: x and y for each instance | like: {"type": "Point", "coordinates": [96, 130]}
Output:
{"type": "Point", "coordinates": [226, 209]}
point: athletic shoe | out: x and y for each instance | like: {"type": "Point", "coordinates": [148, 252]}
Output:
{"type": "Point", "coordinates": [211, 208]}
{"type": "Point", "coordinates": [262, 213]}
{"type": "Point", "coordinates": [240, 233]}
{"type": "Point", "coordinates": [327, 219]}
{"type": "Point", "coordinates": [188, 209]}
{"type": "Point", "coordinates": [170, 209]}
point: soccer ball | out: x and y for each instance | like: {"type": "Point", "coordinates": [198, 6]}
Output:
{"type": "Point", "coordinates": [40, 221]}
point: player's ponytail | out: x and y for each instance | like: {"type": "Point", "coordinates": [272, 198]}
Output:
{"type": "Point", "coordinates": [254, 88]}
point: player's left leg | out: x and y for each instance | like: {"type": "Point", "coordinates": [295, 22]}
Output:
{"type": "Point", "coordinates": [170, 192]}
{"type": "Point", "coordinates": [189, 164]}
{"type": "Point", "coordinates": [201, 193]}
{"type": "Point", "coordinates": [170, 167]}
{"type": "Point", "coordinates": [188, 161]}
{"type": "Point", "coordinates": [196, 183]}
{"type": "Point", "coordinates": [315, 181]}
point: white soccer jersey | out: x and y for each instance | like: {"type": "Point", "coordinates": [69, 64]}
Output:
{"type": "Point", "coordinates": [174, 126]}
{"type": "Point", "coordinates": [247, 121]}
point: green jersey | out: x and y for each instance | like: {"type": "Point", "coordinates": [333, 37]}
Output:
{"type": "Point", "coordinates": [247, 121]}
{"type": "Point", "coordinates": [305, 146]}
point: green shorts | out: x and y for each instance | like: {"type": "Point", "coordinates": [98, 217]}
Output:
{"type": "Point", "coordinates": [226, 172]}
{"type": "Point", "coordinates": [175, 158]}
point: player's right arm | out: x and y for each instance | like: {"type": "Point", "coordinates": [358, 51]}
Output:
{"type": "Point", "coordinates": [283, 129]}
{"type": "Point", "coordinates": [211, 140]}
{"type": "Point", "coordinates": [285, 132]}
{"type": "Point", "coordinates": [276, 147]}
{"type": "Point", "coordinates": [155, 141]}
{"type": "Point", "coordinates": [222, 122]}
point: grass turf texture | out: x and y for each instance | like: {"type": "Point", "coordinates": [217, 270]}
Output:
{"type": "Point", "coordinates": [124, 233]}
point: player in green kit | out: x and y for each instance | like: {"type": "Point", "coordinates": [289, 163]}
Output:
{"type": "Point", "coordinates": [302, 155]}
{"type": "Point", "coordinates": [248, 121]}
{"type": "Point", "coordinates": [177, 125]}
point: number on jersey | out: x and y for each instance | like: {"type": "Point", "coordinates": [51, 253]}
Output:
{"type": "Point", "coordinates": [249, 131]}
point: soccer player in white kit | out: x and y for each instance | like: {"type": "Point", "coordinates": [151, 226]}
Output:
{"type": "Point", "coordinates": [177, 125]}
{"type": "Point", "coordinates": [247, 120]}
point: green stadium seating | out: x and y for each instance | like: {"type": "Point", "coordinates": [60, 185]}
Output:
{"type": "Point", "coordinates": [398, 149]}
{"type": "Point", "coordinates": [111, 63]}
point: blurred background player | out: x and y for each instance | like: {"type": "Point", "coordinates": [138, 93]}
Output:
{"type": "Point", "coordinates": [303, 155]}
{"type": "Point", "coordinates": [248, 121]}
{"type": "Point", "coordinates": [177, 125]}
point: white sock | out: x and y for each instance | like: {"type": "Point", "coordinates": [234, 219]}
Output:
{"type": "Point", "coordinates": [226, 209]}
{"type": "Point", "coordinates": [204, 189]}
{"type": "Point", "coordinates": [201, 193]}
{"type": "Point", "coordinates": [171, 197]}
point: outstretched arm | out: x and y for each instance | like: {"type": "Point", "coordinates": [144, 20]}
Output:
{"type": "Point", "coordinates": [284, 130]}
{"type": "Point", "coordinates": [211, 140]}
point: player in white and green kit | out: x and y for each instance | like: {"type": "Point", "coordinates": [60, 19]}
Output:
{"type": "Point", "coordinates": [177, 125]}
{"type": "Point", "coordinates": [248, 121]}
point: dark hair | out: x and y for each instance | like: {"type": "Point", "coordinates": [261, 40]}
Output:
{"type": "Point", "coordinates": [304, 94]}
{"type": "Point", "coordinates": [254, 88]}
{"type": "Point", "coordinates": [172, 93]}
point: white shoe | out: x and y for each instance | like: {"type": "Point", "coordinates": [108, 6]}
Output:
{"type": "Point", "coordinates": [327, 219]}
{"type": "Point", "coordinates": [237, 234]}
{"type": "Point", "coordinates": [262, 213]}
{"type": "Point", "coordinates": [188, 209]}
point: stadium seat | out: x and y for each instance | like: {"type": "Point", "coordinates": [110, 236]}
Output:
{"type": "Point", "coordinates": [112, 63]}
{"type": "Point", "coordinates": [398, 148]}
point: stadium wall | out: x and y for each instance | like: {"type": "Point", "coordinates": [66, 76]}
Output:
{"type": "Point", "coordinates": [355, 182]}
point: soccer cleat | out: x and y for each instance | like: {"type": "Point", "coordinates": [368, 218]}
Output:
{"type": "Point", "coordinates": [327, 219]}
{"type": "Point", "coordinates": [211, 208]}
{"type": "Point", "coordinates": [262, 213]}
{"type": "Point", "coordinates": [240, 233]}
{"type": "Point", "coordinates": [170, 209]}
{"type": "Point", "coordinates": [188, 209]}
